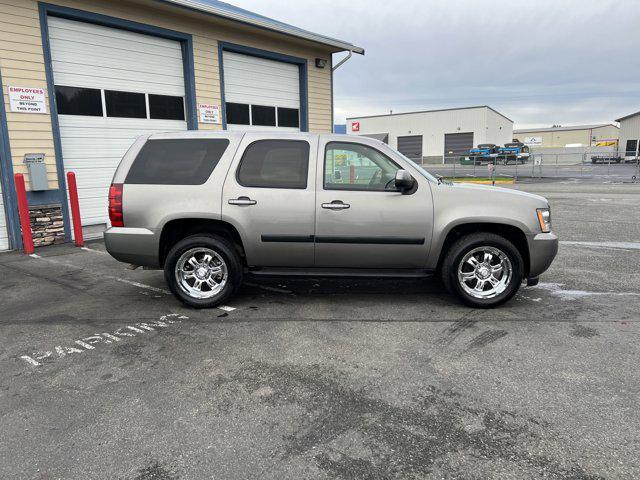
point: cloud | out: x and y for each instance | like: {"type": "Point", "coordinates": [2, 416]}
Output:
{"type": "Point", "coordinates": [540, 63]}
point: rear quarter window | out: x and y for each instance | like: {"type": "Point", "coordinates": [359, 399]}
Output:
{"type": "Point", "coordinates": [176, 162]}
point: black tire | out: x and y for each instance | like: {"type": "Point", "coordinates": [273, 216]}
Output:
{"type": "Point", "coordinates": [220, 246]}
{"type": "Point", "coordinates": [464, 245]}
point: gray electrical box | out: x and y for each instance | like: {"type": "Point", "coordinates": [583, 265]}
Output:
{"type": "Point", "coordinates": [37, 171]}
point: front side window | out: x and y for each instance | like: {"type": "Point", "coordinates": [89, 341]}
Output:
{"type": "Point", "coordinates": [188, 161]}
{"type": "Point", "coordinates": [353, 166]}
{"type": "Point", "coordinates": [275, 164]}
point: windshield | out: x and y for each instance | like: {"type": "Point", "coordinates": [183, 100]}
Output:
{"type": "Point", "coordinates": [422, 171]}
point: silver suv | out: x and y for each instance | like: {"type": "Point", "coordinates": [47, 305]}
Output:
{"type": "Point", "coordinates": [209, 208]}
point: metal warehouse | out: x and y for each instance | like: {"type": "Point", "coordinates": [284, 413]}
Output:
{"type": "Point", "coordinates": [629, 134]}
{"type": "Point", "coordinates": [436, 135]}
{"type": "Point", "coordinates": [578, 135]}
{"type": "Point", "coordinates": [82, 79]}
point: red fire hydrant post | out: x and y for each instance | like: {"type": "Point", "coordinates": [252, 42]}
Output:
{"type": "Point", "coordinates": [75, 208]}
{"type": "Point", "coordinates": [23, 210]}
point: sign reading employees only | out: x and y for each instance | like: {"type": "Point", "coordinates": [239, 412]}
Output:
{"type": "Point", "coordinates": [27, 100]}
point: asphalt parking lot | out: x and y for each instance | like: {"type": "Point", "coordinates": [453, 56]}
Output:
{"type": "Point", "coordinates": [104, 375]}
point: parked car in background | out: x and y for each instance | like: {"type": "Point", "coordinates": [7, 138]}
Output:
{"type": "Point", "coordinates": [515, 152]}
{"type": "Point", "coordinates": [209, 208]}
{"type": "Point", "coordinates": [485, 152]}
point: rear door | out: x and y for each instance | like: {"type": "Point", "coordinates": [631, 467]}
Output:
{"type": "Point", "coordinates": [269, 196]}
{"type": "Point", "coordinates": [362, 221]}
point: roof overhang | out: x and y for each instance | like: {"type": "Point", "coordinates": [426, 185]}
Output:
{"type": "Point", "coordinates": [230, 12]}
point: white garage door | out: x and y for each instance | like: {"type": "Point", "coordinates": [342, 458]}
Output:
{"type": "Point", "coordinates": [111, 86]}
{"type": "Point", "coordinates": [4, 238]}
{"type": "Point", "coordinates": [260, 94]}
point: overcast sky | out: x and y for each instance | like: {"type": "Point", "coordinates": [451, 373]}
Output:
{"type": "Point", "coordinates": [540, 62]}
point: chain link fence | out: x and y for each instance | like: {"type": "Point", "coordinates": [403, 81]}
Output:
{"type": "Point", "coordinates": [596, 163]}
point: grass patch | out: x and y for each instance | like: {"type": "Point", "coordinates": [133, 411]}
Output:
{"type": "Point", "coordinates": [481, 180]}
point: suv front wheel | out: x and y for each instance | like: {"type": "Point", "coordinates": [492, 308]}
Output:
{"type": "Point", "coordinates": [483, 269]}
{"type": "Point", "coordinates": [203, 270]}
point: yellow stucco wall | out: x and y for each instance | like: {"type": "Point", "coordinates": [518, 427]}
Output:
{"type": "Point", "coordinates": [22, 62]}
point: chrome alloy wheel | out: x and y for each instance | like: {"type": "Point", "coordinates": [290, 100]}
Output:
{"type": "Point", "coordinates": [485, 272]}
{"type": "Point", "coordinates": [201, 272]}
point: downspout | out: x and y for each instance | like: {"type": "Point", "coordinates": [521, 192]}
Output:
{"type": "Point", "coordinates": [344, 60]}
{"type": "Point", "coordinates": [333, 69]}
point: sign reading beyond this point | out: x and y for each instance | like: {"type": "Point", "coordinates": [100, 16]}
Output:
{"type": "Point", "coordinates": [27, 100]}
{"type": "Point", "coordinates": [209, 113]}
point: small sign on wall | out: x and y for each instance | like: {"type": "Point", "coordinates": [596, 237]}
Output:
{"type": "Point", "coordinates": [27, 100]}
{"type": "Point", "coordinates": [355, 126]}
{"type": "Point", "coordinates": [209, 113]}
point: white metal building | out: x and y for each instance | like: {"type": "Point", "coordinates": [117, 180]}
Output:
{"type": "Point", "coordinates": [436, 135]}
{"type": "Point", "coordinates": [629, 134]}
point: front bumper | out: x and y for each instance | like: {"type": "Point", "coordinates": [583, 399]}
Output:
{"type": "Point", "coordinates": [138, 246]}
{"type": "Point", "coordinates": [543, 248]}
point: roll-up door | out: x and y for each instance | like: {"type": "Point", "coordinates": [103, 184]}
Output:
{"type": "Point", "coordinates": [112, 86]}
{"type": "Point", "coordinates": [457, 144]}
{"type": "Point", "coordinates": [260, 94]}
{"type": "Point", "coordinates": [411, 147]}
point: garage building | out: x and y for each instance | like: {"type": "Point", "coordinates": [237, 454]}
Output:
{"type": "Point", "coordinates": [82, 79]}
{"type": "Point", "coordinates": [436, 136]}
{"type": "Point", "coordinates": [629, 134]}
{"type": "Point", "coordinates": [577, 135]}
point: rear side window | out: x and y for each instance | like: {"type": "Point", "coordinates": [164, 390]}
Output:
{"type": "Point", "coordinates": [176, 162]}
{"type": "Point", "coordinates": [275, 164]}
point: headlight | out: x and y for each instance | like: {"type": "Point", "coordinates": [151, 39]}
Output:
{"type": "Point", "coordinates": [544, 218]}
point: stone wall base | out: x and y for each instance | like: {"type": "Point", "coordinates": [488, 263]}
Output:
{"type": "Point", "coordinates": [47, 225]}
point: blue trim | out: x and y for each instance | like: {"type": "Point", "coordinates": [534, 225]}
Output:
{"type": "Point", "coordinates": [47, 9]}
{"type": "Point", "coordinates": [44, 197]}
{"type": "Point", "coordinates": [280, 57]}
{"type": "Point", "coordinates": [6, 178]}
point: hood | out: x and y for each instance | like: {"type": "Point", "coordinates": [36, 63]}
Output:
{"type": "Point", "coordinates": [488, 191]}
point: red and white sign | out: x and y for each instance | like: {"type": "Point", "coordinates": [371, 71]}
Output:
{"type": "Point", "coordinates": [355, 126]}
{"type": "Point", "coordinates": [209, 113]}
{"type": "Point", "coordinates": [27, 100]}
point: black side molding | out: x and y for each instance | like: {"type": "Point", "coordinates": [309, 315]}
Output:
{"type": "Point", "coordinates": [351, 240]}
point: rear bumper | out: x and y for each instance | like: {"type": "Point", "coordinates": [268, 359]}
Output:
{"type": "Point", "coordinates": [139, 246]}
{"type": "Point", "coordinates": [543, 248]}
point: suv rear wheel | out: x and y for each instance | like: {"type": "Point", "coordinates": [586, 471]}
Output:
{"type": "Point", "coordinates": [483, 269]}
{"type": "Point", "coordinates": [203, 270]}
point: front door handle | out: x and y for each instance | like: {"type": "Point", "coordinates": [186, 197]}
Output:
{"type": "Point", "coordinates": [242, 201]}
{"type": "Point", "coordinates": [336, 205]}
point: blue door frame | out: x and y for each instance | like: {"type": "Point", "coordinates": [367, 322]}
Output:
{"type": "Point", "coordinates": [6, 180]}
{"type": "Point", "coordinates": [46, 10]}
{"type": "Point", "coordinates": [280, 57]}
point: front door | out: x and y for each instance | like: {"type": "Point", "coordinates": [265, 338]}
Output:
{"type": "Point", "coordinates": [269, 196]}
{"type": "Point", "coordinates": [362, 221]}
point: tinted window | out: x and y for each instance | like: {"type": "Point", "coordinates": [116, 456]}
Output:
{"type": "Point", "coordinates": [288, 117]}
{"type": "Point", "coordinates": [264, 116]}
{"type": "Point", "coordinates": [78, 101]}
{"type": "Point", "coordinates": [176, 162]}
{"type": "Point", "coordinates": [275, 164]}
{"type": "Point", "coordinates": [353, 166]}
{"type": "Point", "coordinates": [237, 113]}
{"type": "Point", "coordinates": [631, 147]}
{"type": "Point", "coordinates": [165, 107]}
{"type": "Point", "coordinates": [125, 104]}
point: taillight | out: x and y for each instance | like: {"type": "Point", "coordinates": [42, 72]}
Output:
{"type": "Point", "coordinates": [115, 205]}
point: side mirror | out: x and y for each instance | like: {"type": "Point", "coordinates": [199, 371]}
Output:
{"type": "Point", "coordinates": [404, 181]}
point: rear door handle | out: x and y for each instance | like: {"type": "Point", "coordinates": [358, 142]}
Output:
{"type": "Point", "coordinates": [336, 205]}
{"type": "Point", "coordinates": [242, 201]}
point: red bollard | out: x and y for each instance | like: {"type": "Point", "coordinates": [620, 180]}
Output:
{"type": "Point", "coordinates": [23, 209]}
{"type": "Point", "coordinates": [75, 208]}
{"type": "Point", "coordinates": [352, 174]}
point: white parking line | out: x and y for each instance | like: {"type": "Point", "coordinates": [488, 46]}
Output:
{"type": "Point", "coordinates": [87, 249]}
{"type": "Point", "coordinates": [607, 245]}
{"type": "Point", "coordinates": [225, 308]}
